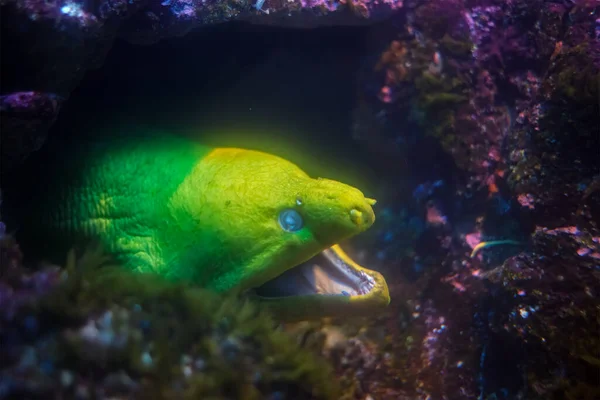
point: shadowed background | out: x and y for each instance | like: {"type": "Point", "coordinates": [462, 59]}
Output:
{"type": "Point", "coordinates": [288, 92]}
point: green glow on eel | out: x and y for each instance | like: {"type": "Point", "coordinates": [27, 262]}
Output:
{"type": "Point", "coordinates": [222, 218]}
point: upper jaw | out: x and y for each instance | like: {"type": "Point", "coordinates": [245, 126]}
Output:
{"type": "Point", "coordinates": [329, 284]}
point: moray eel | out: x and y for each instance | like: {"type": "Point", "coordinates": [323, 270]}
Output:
{"type": "Point", "coordinates": [221, 218]}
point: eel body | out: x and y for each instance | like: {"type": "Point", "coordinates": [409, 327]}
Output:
{"type": "Point", "coordinates": [221, 218]}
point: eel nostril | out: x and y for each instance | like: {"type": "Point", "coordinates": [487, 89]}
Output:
{"type": "Point", "coordinates": [357, 216]}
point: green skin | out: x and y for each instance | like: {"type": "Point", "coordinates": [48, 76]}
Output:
{"type": "Point", "coordinates": [209, 216]}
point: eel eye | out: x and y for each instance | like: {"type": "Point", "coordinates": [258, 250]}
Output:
{"type": "Point", "coordinates": [290, 220]}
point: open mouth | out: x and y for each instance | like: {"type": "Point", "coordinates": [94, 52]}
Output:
{"type": "Point", "coordinates": [329, 273]}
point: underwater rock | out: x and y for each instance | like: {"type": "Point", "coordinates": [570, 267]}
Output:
{"type": "Point", "coordinates": [87, 331]}
{"type": "Point", "coordinates": [548, 298]}
{"type": "Point", "coordinates": [25, 119]}
{"type": "Point", "coordinates": [553, 158]}
{"type": "Point", "coordinates": [50, 45]}
{"type": "Point", "coordinates": [461, 73]}
{"type": "Point", "coordinates": [512, 272]}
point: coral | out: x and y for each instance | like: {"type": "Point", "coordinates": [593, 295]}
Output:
{"type": "Point", "coordinates": [464, 74]}
{"type": "Point", "coordinates": [574, 74]}
{"type": "Point", "coordinates": [427, 83]}
{"type": "Point", "coordinates": [564, 122]}
{"type": "Point", "coordinates": [518, 319]}
{"type": "Point", "coordinates": [368, 362]}
{"type": "Point", "coordinates": [436, 18]}
{"type": "Point", "coordinates": [456, 47]}
{"type": "Point", "coordinates": [25, 118]}
{"type": "Point", "coordinates": [552, 304]}
{"type": "Point", "coordinates": [92, 329]}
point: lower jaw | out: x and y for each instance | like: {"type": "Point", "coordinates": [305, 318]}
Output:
{"type": "Point", "coordinates": [325, 299]}
{"type": "Point", "coordinates": [315, 307]}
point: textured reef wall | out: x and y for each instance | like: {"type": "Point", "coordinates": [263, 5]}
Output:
{"type": "Point", "coordinates": [487, 117]}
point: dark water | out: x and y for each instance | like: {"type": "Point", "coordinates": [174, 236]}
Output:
{"type": "Point", "coordinates": [289, 92]}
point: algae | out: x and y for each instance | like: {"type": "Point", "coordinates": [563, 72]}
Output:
{"type": "Point", "coordinates": [165, 340]}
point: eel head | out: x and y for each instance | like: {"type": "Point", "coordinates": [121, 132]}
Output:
{"type": "Point", "coordinates": [290, 228]}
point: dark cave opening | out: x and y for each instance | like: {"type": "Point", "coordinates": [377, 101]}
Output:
{"type": "Point", "coordinates": [286, 91]}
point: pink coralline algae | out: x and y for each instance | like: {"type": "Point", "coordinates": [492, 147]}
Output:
{"type": "Point", "coordinates": [25, 118]}
{"type": "Point", "coordinates": [499, 100]}
{"type": "Point", "coordinates": [526, 200]}
{"type": "Point", "coordinates": [18, 289]}
{"type": "Point", "coordinates": [44, 105]}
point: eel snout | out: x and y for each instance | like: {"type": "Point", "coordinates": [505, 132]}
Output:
{"type": "Point", "coordinates": [337, 211]}
{"type": "Point", "coordinates": [363, 216]}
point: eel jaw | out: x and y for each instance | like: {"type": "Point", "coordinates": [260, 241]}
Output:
{"type": "Point", "coordinates": [330, 284]}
